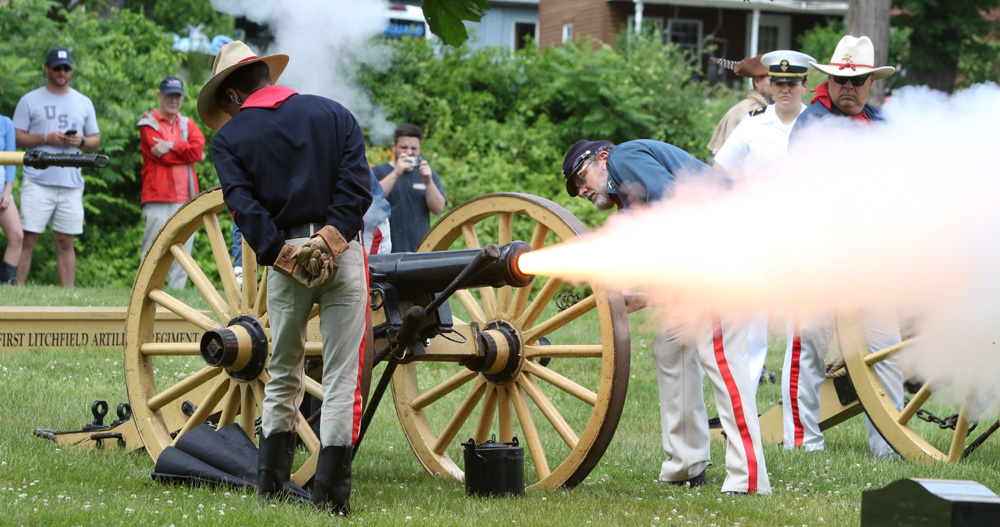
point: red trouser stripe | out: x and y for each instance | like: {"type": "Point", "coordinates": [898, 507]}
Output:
{"type": "Point", "coordinates": [376, 242]}
{"type": "Point", "coordinates": [358, 410]}
{"type": "Point", "coordinates": [793, 383]}
{"type": "Point", "coordinates": [737, 403]}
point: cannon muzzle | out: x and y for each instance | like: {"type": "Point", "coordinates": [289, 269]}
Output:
{"type": "Point", "coordinates": [41, 159]}
{"type": "Point", "coordinates": [432, 272]}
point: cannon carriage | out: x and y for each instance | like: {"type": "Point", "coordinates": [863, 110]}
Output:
{"type": "Point", "coordinates": [510, 365]}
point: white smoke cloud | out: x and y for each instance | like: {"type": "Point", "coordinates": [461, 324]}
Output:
{"type": "Point", "coordinates": [322, 39]}
{"type": "Point", "coordinates": [901, 215]}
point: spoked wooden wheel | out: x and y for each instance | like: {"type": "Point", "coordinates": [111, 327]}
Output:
{"type": "Point", "coordinates": [564, 409]}
{"type": "Point", "coordinates": [903, 430]}
{"type": "Point", "coordinates": [170, 386]}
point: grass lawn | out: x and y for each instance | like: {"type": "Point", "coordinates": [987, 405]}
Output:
{"type": "Point", "coordinates": [41, 484]}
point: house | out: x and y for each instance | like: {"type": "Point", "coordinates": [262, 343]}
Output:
{"type": "Point", "coordinates": [506, 24]}
{"type": "Point", "coordinates": [736, 28]}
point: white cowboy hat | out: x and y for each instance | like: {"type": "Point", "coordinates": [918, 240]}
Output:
{"type": "Point", "coordinates": [232, 56]}
{"type": "Point", "coordinates": [853, 57]}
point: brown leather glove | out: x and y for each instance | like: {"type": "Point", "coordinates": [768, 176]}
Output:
{"type": "Point", "coordinates": [287, 264]}
{"type": "Point", "coordinates": [318, 256]}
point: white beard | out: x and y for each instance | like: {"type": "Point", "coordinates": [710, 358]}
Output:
{"type": "Point", "coordinates": [603, 201]}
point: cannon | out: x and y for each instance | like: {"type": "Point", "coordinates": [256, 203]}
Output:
{"type": "Point", "coordinates": [41, 159]}
{"type": "Point", "coordinates": [505, 363]}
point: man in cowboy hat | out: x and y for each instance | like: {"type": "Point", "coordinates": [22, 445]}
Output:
{"type": "Point", "coordinates": [852, 71]}
{"type": "Point", "coordinates": [294, 174]}
{"type": "Point", "coordinates": [758, 98]}
{"type": "Point", "coordinates": [635, 174]}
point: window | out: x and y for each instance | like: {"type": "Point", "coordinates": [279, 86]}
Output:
{"type": "Point", "coordinates": [567, 33]}
{"type": "Point", "coordinates": [523, 30]}
{"type": "Point", "coordinates": [775, 32]}
{"type": "Point", "coordinates": [647, 21]}
{"type": "Point", "coordinates": [686, 33]}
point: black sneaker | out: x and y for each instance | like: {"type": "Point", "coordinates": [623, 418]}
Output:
{"type": "Point", "coordinates": [697, 481]}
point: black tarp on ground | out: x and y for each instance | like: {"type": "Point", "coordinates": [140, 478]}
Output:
{"type": "Point", "coordinates": [205, 456]}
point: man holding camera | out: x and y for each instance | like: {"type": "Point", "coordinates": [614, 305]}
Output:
{"type": "Point", "coordinates": [54, 118]}
{"type": "Point", "coordinates": [413, 188]}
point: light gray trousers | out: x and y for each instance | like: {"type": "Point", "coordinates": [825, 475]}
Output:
{"type": "Point", "coordinates": [343, 314]}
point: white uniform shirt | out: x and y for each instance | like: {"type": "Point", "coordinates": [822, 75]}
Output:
{"type": "Point", "coordinates": [757, 143]}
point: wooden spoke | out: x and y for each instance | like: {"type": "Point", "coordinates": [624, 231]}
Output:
{"type": "Point", "coordinates": [566, 351]}
{"type": "Point", "coordinates": [306, 434]}
{"type": "Point", "coordinates": [314, 388]}
{"type": "Point", "coordinates": [449, 385]}
{"type": "Point", "coordinates": [182, 310]}
{"type": "Point", "coordinates": [183, 387]}
{"type": "Point", "coordinates": [504, 414]}
{"type": "Point", "coordinates": [915, 404]}
{"type": "Point", "coordinates": [471, 305]}
{"type": "Point", "coordinates": [489, 297]}
{"type": "Point", "coordinates": [157, 349]}
{"type": "Point", "coordinates": [201, 282]}
{"type": "Point", "coordinates": [248, 407]}
{"type": "Point", "coordinates": [560, 319]}
{"type": "Point", "coordinates": [486, 416]}
{"type": "Point", "coordinates": [560, 382]}
{"type": "Point", "coordinates": [961, 434]}
{"type": "Point", "coordinates": [545, 295]}
{"type": "Point", "coordinates": [260, 303]}
{"type": "Point", "coordinates": [461, 415]}
{"type": "Point", "coordinates": [248, 294]}
{"type": "Point", "coordinates": [314, 349]}
{"type": "Point", "coordinates": [548, 410]}
{"type": "Point", "coordinates": [471, 237]}
{"type": "Point", "coordinates": [505, 228]}
{"type": "Point", "coordinates": [530, 434]}
{"type": "Point", "coordinates": [232, 404]}
{"type": "Point", "coordinates": [872, 359]}
{"type": "Point", "coordinates": [220, 250]}
{"type": "Point", "coordinates": [205, 408]}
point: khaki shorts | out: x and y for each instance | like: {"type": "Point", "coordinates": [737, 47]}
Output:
{"type": "Point", "coordinates": [41, 204]}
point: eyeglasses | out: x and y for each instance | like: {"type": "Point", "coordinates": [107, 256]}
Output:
{"type": "Point", "coordinates": [578, 179]}
{"type": "Point", "coordinates": [855, 81]}
{"type": "Point", "coordinates": [62, 67]}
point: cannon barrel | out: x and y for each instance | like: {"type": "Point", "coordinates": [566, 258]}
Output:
{"type": "Point", "coordinates": [432, 272]}
{"type": "Point", "coordinates": [41, 159]}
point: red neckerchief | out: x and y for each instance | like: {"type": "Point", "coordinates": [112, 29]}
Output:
{"type": "Point", "coordinates": [823, 96]}
{"type": "Point", "coordinates": [268, 97]}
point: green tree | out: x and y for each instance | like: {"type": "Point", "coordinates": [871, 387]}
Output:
{"type": "Point", "coordinates": [947, 35]}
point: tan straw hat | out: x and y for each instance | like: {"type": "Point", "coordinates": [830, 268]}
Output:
{"type": "Point", "coordinates": [853, 57]}
{"type": "Point", "coordinates": [232, 56]}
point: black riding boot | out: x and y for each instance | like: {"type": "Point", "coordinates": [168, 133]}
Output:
{"type": "Point", "coordinates": [274, 464]}
{"type": "Point", "coordinates": [332, 483]}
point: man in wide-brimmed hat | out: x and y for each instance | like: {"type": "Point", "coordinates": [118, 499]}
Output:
{"type": "Point", "coordinates": [294, 173]}
{"type": "Point", "coordinates": [852, 70]}
{"type": "Point", "coordinates": [759, 97]}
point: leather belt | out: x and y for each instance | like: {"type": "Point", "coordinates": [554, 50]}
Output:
{"type": "Point", "coordinates": [304, 231]}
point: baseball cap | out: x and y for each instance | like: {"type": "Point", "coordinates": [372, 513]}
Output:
{"type": "Point", "coordinates": [59, 56]}
{"type": "Point", "coordinates": [170, 85]}
{"type": "Point", "coordinates": [578, 153]}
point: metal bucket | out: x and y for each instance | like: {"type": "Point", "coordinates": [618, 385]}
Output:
{"type": "Point", "coordinates": [494, 469]}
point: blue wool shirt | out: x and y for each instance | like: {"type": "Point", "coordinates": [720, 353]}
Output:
{"type": "Point", "coordinates": [646, 171]}
{"type": "Point", "coordinates": [302, 161]}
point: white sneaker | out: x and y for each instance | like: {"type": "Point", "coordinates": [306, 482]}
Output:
{"type": "Point", "coordinates": [239, 275]}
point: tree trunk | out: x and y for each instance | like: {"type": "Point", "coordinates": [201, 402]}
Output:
{"type": "Point", "coordinates": [870, 18]}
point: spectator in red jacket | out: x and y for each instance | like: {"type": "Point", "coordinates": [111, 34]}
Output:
{"type": "Point", "coordinates": [170, 143]}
